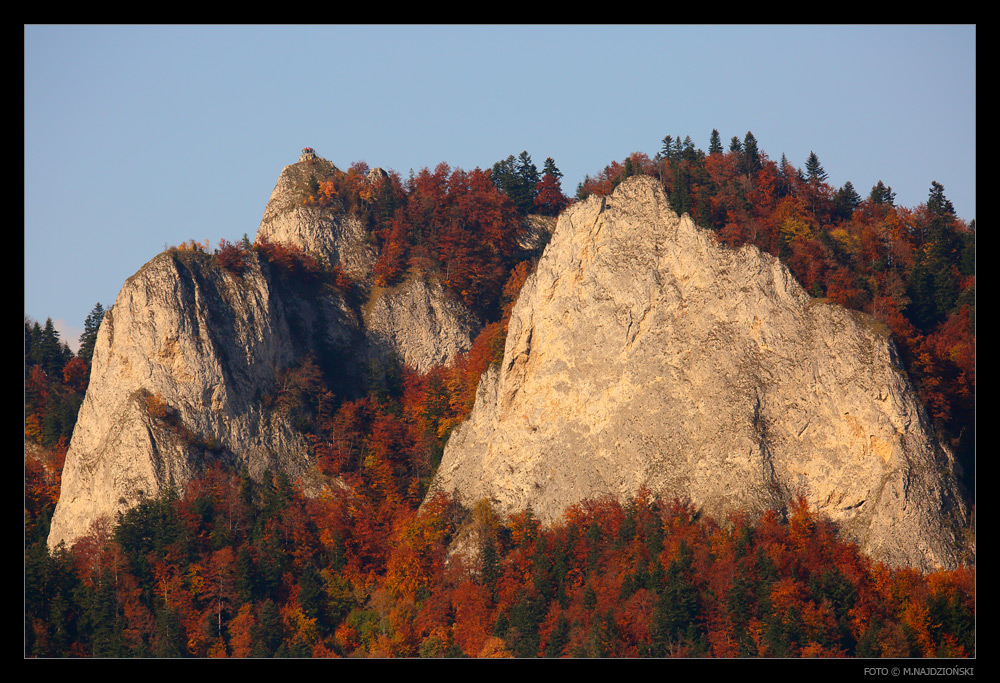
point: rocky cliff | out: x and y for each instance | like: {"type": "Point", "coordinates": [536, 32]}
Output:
{"type": "Point", "coordinates": [186, 363]}
{"type": "Point", "coordinates": [642, 353]}
{"type": "Point", "coordinates": [191, 360]}
{"type": "Point", "coordinates": [418, 322]}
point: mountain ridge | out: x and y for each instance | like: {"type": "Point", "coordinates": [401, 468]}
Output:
{"type": "Point", "coordinates": [171, 388]}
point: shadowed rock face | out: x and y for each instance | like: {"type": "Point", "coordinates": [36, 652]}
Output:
{"type": "Point", "coordinates": [641, 353]}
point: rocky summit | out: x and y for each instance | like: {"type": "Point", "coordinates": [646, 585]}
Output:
{"type": "Point", "coordinates": [193, 361]}
{"type": "Point", "coordinates": [641, 353]}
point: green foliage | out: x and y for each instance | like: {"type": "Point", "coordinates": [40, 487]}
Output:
{"type": "Point", "coordinates": [715, 143]}
{"type": "Point", "coordinates": [90, 328]}
{"type": "Point", "coordinates": [814, 169]}
{"type": "Point", "coordinates": [882, 194]}
{"type": "Point", "coordinates": [518, 178]}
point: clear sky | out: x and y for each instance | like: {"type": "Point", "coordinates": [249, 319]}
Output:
{"type": "Point", "coordinates": [141, 137]}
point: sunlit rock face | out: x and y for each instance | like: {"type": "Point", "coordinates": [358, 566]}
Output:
{"type": "Point", "coordinates": [187, 369]}
{"type": "Point", "coordinates": [642, 353]}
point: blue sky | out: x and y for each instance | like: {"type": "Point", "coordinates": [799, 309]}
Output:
{"type": "Point", "coordinates": [141, 137]}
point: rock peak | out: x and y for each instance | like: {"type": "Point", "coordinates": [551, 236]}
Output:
{"type": "Point", "coordinates": [642, 353]}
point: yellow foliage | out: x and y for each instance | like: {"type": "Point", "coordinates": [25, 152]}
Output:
{"type": "Point", "coordinates": [795, 227]}
{"type": "Point", "coordinates": [851, 243]}
{"type": "Point", "coordinates": [495, 648]}
{"type": "Point", "coordinates": [194, 246]}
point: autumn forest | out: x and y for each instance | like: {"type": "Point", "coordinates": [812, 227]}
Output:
{"type": "Point", "coordinates": [235, 567]}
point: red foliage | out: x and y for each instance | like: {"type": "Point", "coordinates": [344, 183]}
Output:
{"type": "Point", "coordinates": [231, 257]}
{"type": "Point", "coordinates": [550, 200]}
{"type": "Point", "coordinates": [291, 259]}
{"type": "Point", "coordinates": [76, 374]}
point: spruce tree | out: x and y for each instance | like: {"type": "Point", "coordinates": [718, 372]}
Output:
{"type": "Point", "coordinates": [89, 337]}
{"type": "Point", "coordinates": [551, 169]}
{"type": "Point", "coordinates": [751, 156]}
{"type": "Point", "coordinates": [881, 194]}
{"type": "Point", "coordinates": [47, 350]}
{"type": "Point", "coordinates": [666, 148]}
{"type": "Point", "coordinates": [715, 143]}
{"type": "Point", "coordinates": [814, 169]}
{"type": "Point", "coordinates": [517, 178]}
{"type": "Point", "coordinates": [933, 285]}
{"type": "Point", "coordinates": [846, 200]}
{"type": "Point", "coordinates": [937, 203]}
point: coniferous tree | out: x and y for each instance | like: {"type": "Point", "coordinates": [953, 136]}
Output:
{"type": "Point", "coordinates": [933, 285]}
{"type": "Point", "coordinates": [666, 149]}
{"type": "Point", "coordinates": [46, 349]}
{"type": "Point", "coordinates": [527, 172]}
{"type": "Point", "coordinates": [688, 151]}
{"type": "Point", "coordinates": [814, 169]}
{"type": "Point", "coordinates": [846, 200]}
{"type": "Point", "coordinates": [549, 198]}
{"type": "Point", "coordinates": [881, 194]}
{"type": "Point", "coordinates": [786, 177]}
{"type": "Point", "coordinates": [550, 168]}
{"type": "Point", "coordinates": [518, 178]}
{"type": "Point", "coordinates": [715, 143]}
{"type": "Point", "coordinates": [32, 333]}
{"type": "Point", "coordinates": [937, 203]}
{"type": "Point", "coordinates": [89, 337]}
{"type": "Point", "coordinates": [751, 156]}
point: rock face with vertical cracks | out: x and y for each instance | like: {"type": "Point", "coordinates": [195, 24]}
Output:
{"type": "Point", "coordinates": [193, 362]}
{"type": "Point", "coordinates": [188, 369]}
{"type": "Point", "coordinates": [642, 353]}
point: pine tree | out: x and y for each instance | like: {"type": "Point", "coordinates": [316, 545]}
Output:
{"type": "Point", "coordinates": [814, 169]}
{"type": "Point", "coordinates": [937, 203]}
{"type": "Point", "coordinates": [715, 143]}
{"type": "Point", "coordinates": [846, 200]}
{"type": "Point", "coordinates": [89, 337]}
{"type": "Point", "coordinates": [882, 194]}
{"type": "Point", "coordinates": [751, 156]}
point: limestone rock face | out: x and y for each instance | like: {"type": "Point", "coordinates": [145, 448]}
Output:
{"type": "Point", "coordinates": [186, 368]}
{"type": "Point", "coordinates": [325, 232]}
{"type": "Point", "coordinates": [642, 353]}
{"type": "Point", "coordinates": [419, 322]}
{"type": "Point", "coordinates": [191, 361]}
